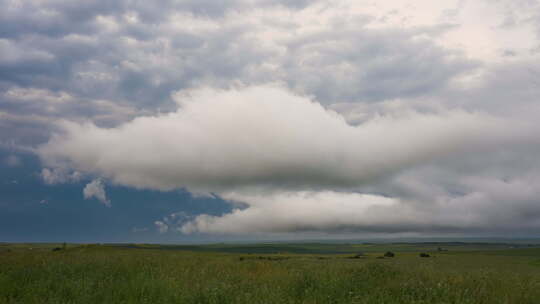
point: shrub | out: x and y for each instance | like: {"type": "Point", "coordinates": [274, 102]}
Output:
{"type": "Point", "coordinates": [389, 254]}
{"type": "Point", "coordinates": [424, 255]}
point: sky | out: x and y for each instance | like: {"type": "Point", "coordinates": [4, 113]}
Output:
{"type": "Point", "coordinates": [210, 121]}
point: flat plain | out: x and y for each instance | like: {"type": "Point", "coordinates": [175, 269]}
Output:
{"type": "Point", "coordinates": [270, 273]}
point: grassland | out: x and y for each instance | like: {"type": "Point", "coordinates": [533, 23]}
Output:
{"type": "Point", "coordinates": [269, 273]}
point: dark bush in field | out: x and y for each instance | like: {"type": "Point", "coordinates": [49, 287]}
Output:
{"type": "Point", "coordinates": [424, 255]}
{"type": "Point", "coordinates": [389, 254]}
{"type": "Point", "coordinates": [57, 249]}
{"type": "Point", "coordinates": [357, 256]}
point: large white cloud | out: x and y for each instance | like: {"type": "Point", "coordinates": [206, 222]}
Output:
{"type": "Point", "coordinates": [296, 166]}
{"type": "Point", "coordinates": [262, 136]}
{"type": "Point", "coordinates": [296, 211]}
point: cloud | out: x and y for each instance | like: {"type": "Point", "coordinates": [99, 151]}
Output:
{"type": "Point", "coordinates": [358, 64]}
{"type": "Point", "coordinates": [260, 136]}
{"type": "Point", "coordinates": [172, 222]}
{"type": "Point", "coordinates": [59, 176]}
{"type": "Point", "coordinates": [161, 226]}
{"type": "Point", "coordinates": [96, 189]}
{"type": "Point", "coordinates": [490, 206]}
{"type": "Point", "coordinates": [294, 212]}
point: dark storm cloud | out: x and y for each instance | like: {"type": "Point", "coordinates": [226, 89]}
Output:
{"type": "Point", "coordinates": [136, 63]}
{"type": "Point", "coordinates": [135, 54]}
{"type": "Point", "coordinates": [371, 65]}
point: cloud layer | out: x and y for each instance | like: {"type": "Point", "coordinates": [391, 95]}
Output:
{"type": "Point", "coordinates": [493, 207]}
{"type": "Point", "coordinates": [411, 116]}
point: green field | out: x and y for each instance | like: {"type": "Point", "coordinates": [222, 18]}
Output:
{"type": "Point", "coordinates": [270, 273]}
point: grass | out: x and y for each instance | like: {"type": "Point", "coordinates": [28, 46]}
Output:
{"type": "Point", "coordinates": [127, 274]}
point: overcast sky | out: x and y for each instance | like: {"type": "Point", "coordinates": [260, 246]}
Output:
{"type": "Point", "coordinates": [201, 120]}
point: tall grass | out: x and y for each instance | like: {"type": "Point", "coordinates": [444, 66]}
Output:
{"type": "Point", "coordinates": [97, 274]}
